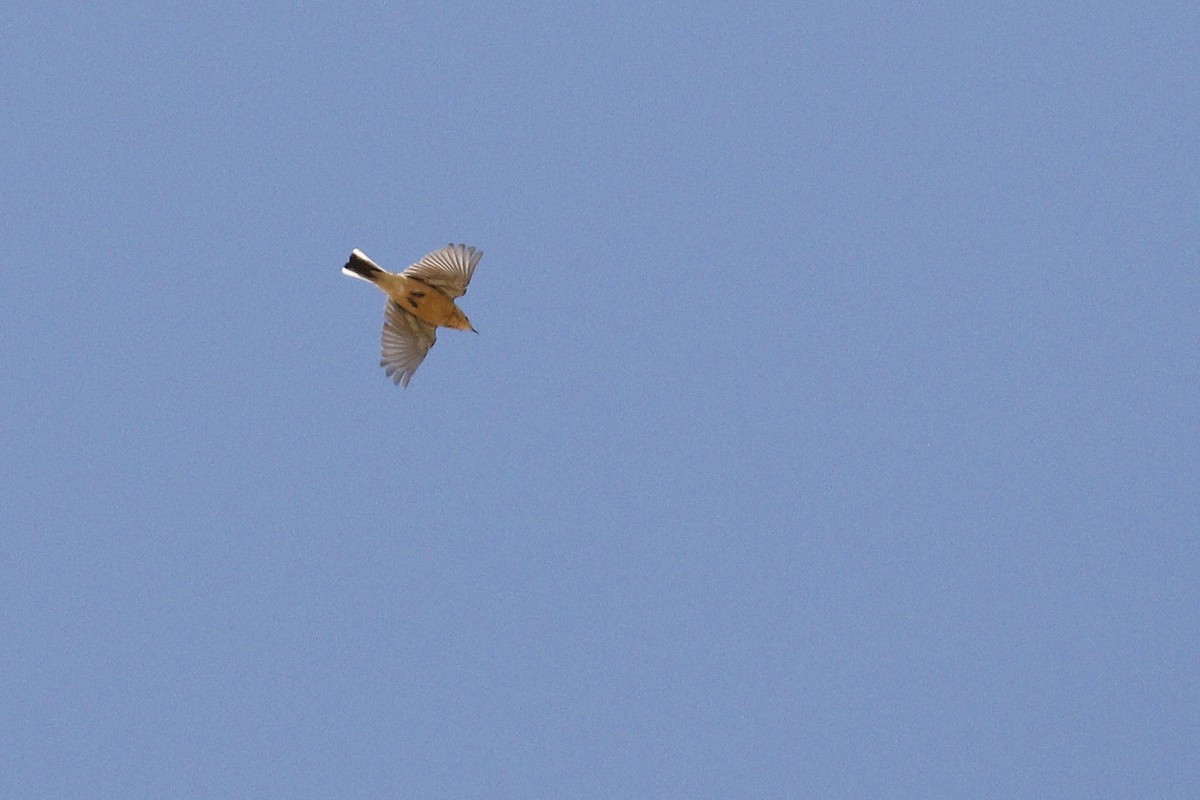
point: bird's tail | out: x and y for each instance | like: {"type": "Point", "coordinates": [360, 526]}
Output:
{"type": "Point", "coordinates": [359, 266]}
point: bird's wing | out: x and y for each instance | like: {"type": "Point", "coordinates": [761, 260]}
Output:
{"type": "Point", "coordinates": [448, 270]}
{"type": "Point", "coordinates": [406, 340]}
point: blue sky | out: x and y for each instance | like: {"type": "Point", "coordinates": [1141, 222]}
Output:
{"type": "Point", "coordinates": [832, 430]}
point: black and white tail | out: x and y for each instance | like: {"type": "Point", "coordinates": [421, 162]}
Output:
{"type": "Point", "coordinates": [359, 266]}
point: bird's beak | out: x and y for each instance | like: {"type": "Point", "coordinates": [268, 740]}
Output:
{"type": "Point", "coordinates": [473, 329]}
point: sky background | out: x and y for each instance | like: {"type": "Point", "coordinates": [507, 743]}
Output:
{"type": "Point", "coordinates": [832, 431]}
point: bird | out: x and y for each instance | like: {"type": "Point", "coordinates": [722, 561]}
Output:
{"type": "Point", "coordinates": [420, 300]}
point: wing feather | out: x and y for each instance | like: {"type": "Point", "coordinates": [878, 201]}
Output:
{"type": "Point", "coordinates": [448, 270]}
{"type": "Point", "coordinates": [406, 340]}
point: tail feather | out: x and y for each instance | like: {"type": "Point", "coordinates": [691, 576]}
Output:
{"type": "Point", "coordinates": [359, 266]}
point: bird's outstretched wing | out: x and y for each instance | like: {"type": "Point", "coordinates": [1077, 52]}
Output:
{"type": "Point", "coordinates": [406, 340]}
{"type": "Point", "coordinates": [448, 270]}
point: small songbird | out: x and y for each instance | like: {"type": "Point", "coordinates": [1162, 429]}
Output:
{"type": "Point", "coordinates": [419, 300]}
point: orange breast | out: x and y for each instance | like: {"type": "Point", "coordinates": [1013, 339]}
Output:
{"type": "Point", "coordinates": [422, 300]}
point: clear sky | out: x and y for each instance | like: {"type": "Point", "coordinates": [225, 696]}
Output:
{"type": "Point", "coordinates": [832, 430]}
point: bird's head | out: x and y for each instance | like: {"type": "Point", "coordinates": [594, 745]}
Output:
{"type": "Point", "coordinates": [461, 322]}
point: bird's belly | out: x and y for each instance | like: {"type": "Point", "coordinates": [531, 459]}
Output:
{"type": "Point", "coordinates": [423, 301]}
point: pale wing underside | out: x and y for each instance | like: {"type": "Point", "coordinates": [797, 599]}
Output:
{"type": "Point", "coordinates": [449, 269]}
{"type": "Point", "coordinates": [406, 340]}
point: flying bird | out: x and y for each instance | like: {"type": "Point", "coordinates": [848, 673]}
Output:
{"type": "Point", "coordinates": [420, 299]}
